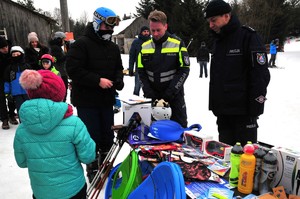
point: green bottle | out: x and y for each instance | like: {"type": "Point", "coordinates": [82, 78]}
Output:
{"type": "Point", "coordinates": [235, 158]}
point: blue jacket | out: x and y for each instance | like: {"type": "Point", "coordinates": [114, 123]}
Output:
{"type": "Point", "coordinates": [52, 148]}
{"type": "Point", "coordinates": [135, 49]}
{"type": "Point", "coordinates": [11, 77]}
{"type": "Point", "coordinates": [273, 49]}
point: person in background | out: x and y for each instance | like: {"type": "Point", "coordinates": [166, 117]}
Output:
{"type": "Point", "coordinates": [57, 51]}
{"type": "Point", "coordinates": [47, 62]}
{"type": "Point", "coordinates": [117, 105]}
{"type": "Point", "coordinates": [239, 75]}
{"type": "Point", "coordinates": [273, 53]}
{"type": "Point", "coordinates": [12, 74]}
{"type": "Point", "coordinates": [163, 67]}
{"type": "Point", "coordinates": [203, 59]}
{"type": "Point", "coordinates": [95, 67]}
{"type": "Point", "coordinates": [133, 55]}
{"type": "Point", "coordinates": [34, 51]}
{"type": "Point", "coordinates": [50, 141]}
{"type": "Point", "coordinates": [10, 115]}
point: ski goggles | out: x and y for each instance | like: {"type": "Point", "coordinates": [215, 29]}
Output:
{"type": "Point", "coordinates": [46, 61]}
{"type": "Point", "coordinates": [111, 21]}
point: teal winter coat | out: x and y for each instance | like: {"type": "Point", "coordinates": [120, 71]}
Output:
{"type": "Point", "coordinates": [52, 148]}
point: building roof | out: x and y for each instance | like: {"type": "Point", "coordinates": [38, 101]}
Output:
{"type": "Point", "coordinates": [123, 25]}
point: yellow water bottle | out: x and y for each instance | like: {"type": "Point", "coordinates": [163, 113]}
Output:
{"type": "Point", "coordinates": [247, 168]}
{"type": "Point", "coordinates": [235, 160]}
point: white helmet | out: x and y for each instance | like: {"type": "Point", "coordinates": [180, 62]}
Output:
{"type": "Point", "coordinates": [161, 110]}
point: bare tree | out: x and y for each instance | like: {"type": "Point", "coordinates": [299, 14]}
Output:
{"type": "Point", "coordinates": [84, 18]}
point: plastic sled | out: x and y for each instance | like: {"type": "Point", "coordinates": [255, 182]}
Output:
{"type": "Point", "coordinates": [169, 130]}
{"type": "Point", "coordinates": [146, 169]}
{"type": "Point", "coordinates": [131, 177]}
{"type": "Point", "coordinates": [165, 182]}
{"type": "Point", "coordinates": [108, 188]}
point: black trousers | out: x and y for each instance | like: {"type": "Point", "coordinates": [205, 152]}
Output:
{"type": "Point", "coordinates": [237, 128]}
{"type": "Point", "coordinates": [272, 60]}
{"type": "Point", "coordinates": [178, 107]}
{"type": "Point", "coordinates": [99, 121]}
{"type": "Point", "coordinates": [4, 114]}
{"type": "Point", "coordinates": [65, 80]}
{"type": "Point", "coordinates": [80, 195]}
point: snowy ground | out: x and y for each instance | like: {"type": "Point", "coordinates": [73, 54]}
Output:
{"type": "Point", "coordinates": [279, 125]}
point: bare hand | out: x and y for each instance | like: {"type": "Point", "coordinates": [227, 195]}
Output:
{"type": "Point", "coordinates": [105, 83]}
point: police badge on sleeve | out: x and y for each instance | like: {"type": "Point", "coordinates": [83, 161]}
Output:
{"type": "Point", "coordinates": [186, 60]}
{"type": "Point", "coordinates": [261, 58]}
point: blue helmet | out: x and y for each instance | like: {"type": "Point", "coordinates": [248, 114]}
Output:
{"type": "Point", "coordinates": [106, 15]}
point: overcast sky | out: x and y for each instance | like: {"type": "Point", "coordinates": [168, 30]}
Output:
{"type": "Point", "coordinates": [77, 7]}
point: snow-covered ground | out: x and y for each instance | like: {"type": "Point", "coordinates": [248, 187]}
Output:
{"type": "Point", "coordinates": [279, 125]}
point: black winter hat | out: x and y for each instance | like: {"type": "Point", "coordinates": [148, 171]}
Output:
{"type": "Point", "coordinates": [144, 28]}
{"type": "Point", "coordinates": [3, 42]}
{"type": "Point", "coordinates": [216, 7]}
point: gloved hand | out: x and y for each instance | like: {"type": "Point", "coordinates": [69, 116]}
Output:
{"type": "Point", "coordinates": [119, 84]}
{"type": "Point", "coordinates": [168, 96]}
{"type": "Point", "coordinates": [131, 73]}
{"type": "Point", "coordinates": [160, 103]}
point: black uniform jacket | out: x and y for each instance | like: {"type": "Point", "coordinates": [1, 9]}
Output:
{"type": "Point", "coordinates": [239, 73]}
{"type": "Point", "coordinates": [164, 68]}
{"type": "Point", "coordinates": [89, 59]}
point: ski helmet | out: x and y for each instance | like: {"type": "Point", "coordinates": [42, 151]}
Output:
{"type": "Point", "coordinates": [104, 14]}
{"type": "Point", "coordinates": [47, 56]}
{"type": "Point", "coordinates": [161, 110]}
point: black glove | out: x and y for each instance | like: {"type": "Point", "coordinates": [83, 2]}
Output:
{"type": "Point", "coordinates": [131, 73]}
{"type": "Point", "coordinates": [119, 84]}
{"type": "Point", "coordinates": [168, 96]}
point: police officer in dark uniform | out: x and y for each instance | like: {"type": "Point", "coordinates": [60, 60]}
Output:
{"type": "Point", "coordinates": [239, 75]}
{"type": "Point", "coordinates": [163, 67]}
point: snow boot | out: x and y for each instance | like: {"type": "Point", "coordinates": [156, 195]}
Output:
{"type": "Point", "coordinates": [13, 120]}
{"type": "Point", "coordinates": [5, 124]}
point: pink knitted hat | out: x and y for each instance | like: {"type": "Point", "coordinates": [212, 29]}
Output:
{"type": "Point", "coordinates": [43, 84]}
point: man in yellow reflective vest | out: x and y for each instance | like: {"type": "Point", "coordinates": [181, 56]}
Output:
{"type": "Point", "coordinates": [163, 67]}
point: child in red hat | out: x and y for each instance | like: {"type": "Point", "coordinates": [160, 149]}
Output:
{"type": "Point", "coordinates": [50, 141]}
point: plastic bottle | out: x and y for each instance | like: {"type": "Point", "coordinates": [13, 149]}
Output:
{"type": "Point", "coordinates": [247, 166]}
{"type": "Point", "coordinates": [268, 171]}
{"type": "Point", "coordinates": [259, 153]}
{"type": "Point", "coordinates": [235, 158]}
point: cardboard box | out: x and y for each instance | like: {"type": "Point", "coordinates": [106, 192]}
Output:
{"type": "Point", "coordinates": [196, 139]}
{"type": "Point", "coordinates": [217, 149]}
{"type": "Point", "coordinates": [144, 111]}
{"type": "Point", "coordinates": [296, 189]}
{"type": "Point", "coordinates": [286, 169]}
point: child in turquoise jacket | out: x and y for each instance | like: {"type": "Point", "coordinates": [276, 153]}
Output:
{"type": "Point", "coordinates": [50, 141]}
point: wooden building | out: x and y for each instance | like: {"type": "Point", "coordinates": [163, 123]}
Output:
{"type": "Point", "coordinates": [19, 21]}
{"type": "Point", "coordinates": [126, 32]}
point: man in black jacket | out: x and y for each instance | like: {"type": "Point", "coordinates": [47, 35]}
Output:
{"type": "Point", "coordinates": [56, 51]}
{"type": "Point", "coordinates": [239, 75]}
{"type": "Point", "coordinates": [94, 64]}
{"type": "Point", "coordinates": [164, 66]}
{"type": "Point", "coordinates": [202, 59]}
{"type": "Point", "coordinates": [133, 55]}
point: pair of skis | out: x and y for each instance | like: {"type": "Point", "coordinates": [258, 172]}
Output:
{"type": "Point", "coordinates": [122, 133]}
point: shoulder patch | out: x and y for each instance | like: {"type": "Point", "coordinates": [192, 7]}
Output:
{"type": "Point", "coordinates": [248, 28]}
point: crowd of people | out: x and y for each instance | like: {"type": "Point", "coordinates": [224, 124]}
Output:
{"type": "Point", "coordinates": [35, 82]}
{"type": "Point", "coordinates": [14, 60]}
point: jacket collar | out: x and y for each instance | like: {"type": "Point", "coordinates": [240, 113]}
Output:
{"type": "Point", "coordinates": [232, 26]}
